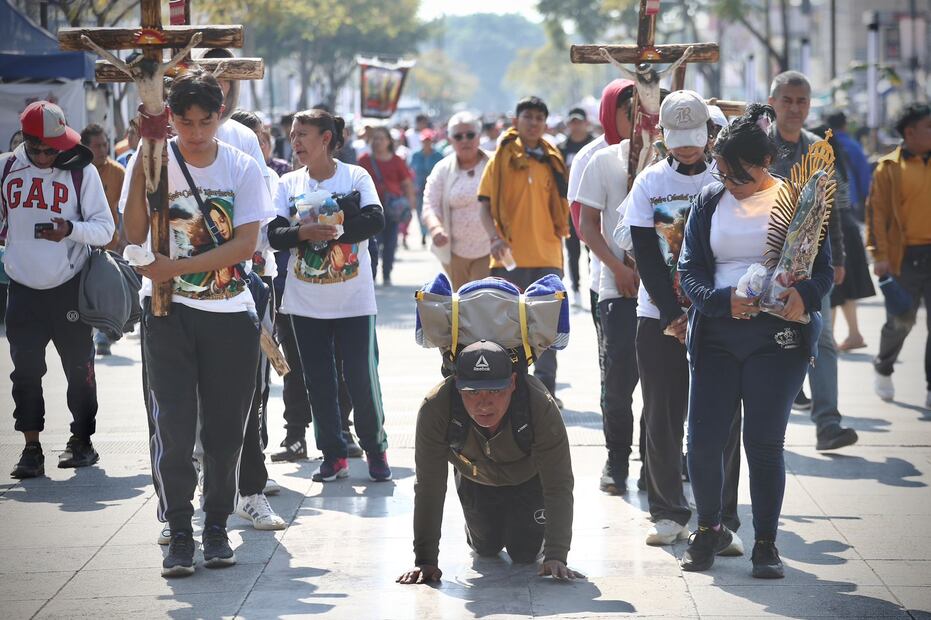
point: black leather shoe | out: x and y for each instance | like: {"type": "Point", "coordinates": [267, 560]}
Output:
{"type": "Point", "coordinates": [836, 436]}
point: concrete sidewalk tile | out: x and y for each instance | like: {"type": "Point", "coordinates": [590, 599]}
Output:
{"type": "Point", "coordinates": [830, 599]}
{"type": "Point", "coordinates": [915, 598]}
{"type": "Point", "coordinates": [903, 572]}
{"type": "Point", "coordinates": [176, 606]}
{"type": "Point", "coordinates": [149, 581]}
{"type": "Point", "coordinates": [32, 586]}
{"type": "Point", "coordinates": [612, 595]}
{"type": "Point", "coordinates": [45, 559]}
{"type": "Point", "coordinates": [21, 610]}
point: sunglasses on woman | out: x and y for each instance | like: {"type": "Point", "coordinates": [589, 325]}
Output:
{"type": "Point", "coordinates": [723, 178]}
{"type": "Point", "coordinates": [469, 135]}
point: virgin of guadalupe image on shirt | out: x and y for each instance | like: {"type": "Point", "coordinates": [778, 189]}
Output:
{"type": "Point", "coordinates": [191, 237]}
{"type": "Point", "coordinates": [669, 219]}
{"type": "Point", "coordinates": [332, 263]}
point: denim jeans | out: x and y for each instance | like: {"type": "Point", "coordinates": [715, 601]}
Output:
{"type": "Point", "coordinates": [823, 376]}
{"type": "Point", "coordinates": [388, 242]}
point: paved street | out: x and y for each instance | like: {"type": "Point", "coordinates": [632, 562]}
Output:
{"type": "Point", "coordinates": [852, 534]}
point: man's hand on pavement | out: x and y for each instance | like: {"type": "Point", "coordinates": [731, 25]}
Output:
{"type": "Point", "coordinates": [559, 571]}
{"type": "Point", "coordinates": [424, 573]}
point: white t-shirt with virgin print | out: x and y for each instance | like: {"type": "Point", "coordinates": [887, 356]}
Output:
{"type": "Point", "coordinates": [235, 193]}
{"type": "Point", "coordinates": [661, 198]}
{"type": "Point", "coordinates": [336, 281]}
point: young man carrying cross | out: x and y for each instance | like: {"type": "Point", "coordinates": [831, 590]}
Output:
{"type": "Point", "coordinates": [204, 354]}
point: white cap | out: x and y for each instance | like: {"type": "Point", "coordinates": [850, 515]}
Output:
{"type": "Point", "coordinates": [717, 116]}
{"type": "Point", "coordinates": [684, 117]}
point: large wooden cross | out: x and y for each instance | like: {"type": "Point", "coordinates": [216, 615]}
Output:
{"type": "Point", "coordinates": [645, 105]}
{"type": "Point", "coordinates": [148, 72]}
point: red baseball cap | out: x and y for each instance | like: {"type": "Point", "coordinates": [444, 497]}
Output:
{"type": "Point", "coordinates": [46, 121]}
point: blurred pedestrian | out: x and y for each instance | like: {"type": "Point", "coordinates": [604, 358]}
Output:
{"type": "Point", "coordinates": [422, 164]}
{"type": "Point", "coordinates": [899, 238]}
{"type": "Point", "coordinates": [579, 134]}
{"type": "Point", "coordinates": [395, 185]}
{"type": "Point", "coordinates": [459, 228]}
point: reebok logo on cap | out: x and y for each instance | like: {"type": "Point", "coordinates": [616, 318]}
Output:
{"type": "Point", "coordinates": [483, 365]}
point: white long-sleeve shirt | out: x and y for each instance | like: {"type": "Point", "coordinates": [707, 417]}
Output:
{"type": "Point", "coordinates": [34, 195]}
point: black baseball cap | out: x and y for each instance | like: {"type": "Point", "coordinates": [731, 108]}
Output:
{"type": "Point", "coordinates": [483, 365]}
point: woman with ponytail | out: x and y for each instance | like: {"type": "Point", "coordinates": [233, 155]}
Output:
{"type": "Point", "coordinates": [327, 212]}
{"type": "Point", "coordinates": [737, 354]}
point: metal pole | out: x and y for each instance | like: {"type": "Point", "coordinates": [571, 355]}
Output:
{"type": "Point", "coordinates": [872, 77]}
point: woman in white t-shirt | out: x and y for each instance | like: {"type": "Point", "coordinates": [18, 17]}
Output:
{"type": "Point", "coordinates": [737, 354]}
{"type": "Point", "coordinates": [326, 212]}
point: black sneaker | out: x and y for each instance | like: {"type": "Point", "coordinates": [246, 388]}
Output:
{"type": "Point", "coordinates": [31, 462]}
{"type": "Point", "coordinates": [294, 450]}
{"type": "Point", "coordinates": [835, 436]}
{"type": "Point", "coordinates": [180, 559]}
{"type": "Point", "coordinates": [704, 544]}
{"type": "Point", "coordinates": [79, 452]}
{"type": "Point", "coordinates": [613, 478]}
{"type": "Point", "coordinates": [766, 562]}
{"type": "Point", "coordinates": [802, 402]}
{"type": "Point", "coordinates": [353, 450]}
{"type": "Point", "coordinates": [217, 550]}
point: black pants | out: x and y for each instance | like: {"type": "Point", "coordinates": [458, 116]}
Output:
{"type": "Point", "coordinates": [355, 337]}
{"type": "Point", "coordinates": [574, 249]}
{"type": "Point", "coordinates": [252, 471]}
{"type": "Point", "coordinates": [206, 362]}
{"type": "Point", "coordinates": [388, 243]}
{"type": "Point", "coordinates": [34, 318]}
{"type": "Point", "coordinates": [618, 319]}
{"type": "Point", "coordinates": [916, 279]}
{"type": "Point", "coordinates": [761, 363]}
{"type": "Point", "coordinates": [509, 517]}
{"type": "Point", "coordinates": [664, 382]}
{"type": "Point", "coordinates": [297, 411]}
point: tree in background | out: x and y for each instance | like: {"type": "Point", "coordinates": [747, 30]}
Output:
{"type": "Point", "coordinates": [441, 82]}
{"type": "Point", "coordinates": [322, 37]}
{"type": "Point", "coordinates": [547, 73]}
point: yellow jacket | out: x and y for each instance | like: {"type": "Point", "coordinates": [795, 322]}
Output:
{"type": "Point", "coordinates": [885, 232]}
{"type": "Point", "coordinates": [510, 154]}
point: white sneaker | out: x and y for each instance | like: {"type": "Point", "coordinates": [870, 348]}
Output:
{"type": "Point", "coordinates": [883, 386]}
{"type": "Point", "coordinates": [735, 548]}
{"type": "Point", "coordinates": [666, 532]}
{"type": "Point", "coordinates": [271, 487]}
{"type": "Point", "coordinates": [255, 508]}
{"type": "Point", "coordinates": [164, 537]}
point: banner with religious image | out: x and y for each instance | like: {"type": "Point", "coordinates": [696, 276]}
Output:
{"type": "Point", "coordinates": [381, 84]}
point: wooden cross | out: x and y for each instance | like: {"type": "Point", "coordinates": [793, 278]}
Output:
{"type": "Point", "coordinates": [645, 105]}
{"type": "Point", "coordinates": [148, 72]}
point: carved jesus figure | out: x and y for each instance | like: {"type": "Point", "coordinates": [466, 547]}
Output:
{"type": "Point", "coordinates": [646, 79]}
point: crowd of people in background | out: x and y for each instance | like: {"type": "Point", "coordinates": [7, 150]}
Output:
{"type": "Point", "coordinates": [515, 197]}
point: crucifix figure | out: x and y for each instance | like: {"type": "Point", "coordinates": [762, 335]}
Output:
{"type": "Point", "coordinates": [148, 72]}
{"type": "Point", "coordinates": [646, 104]}
{"type": "Point", "coordinates": [646, 79]}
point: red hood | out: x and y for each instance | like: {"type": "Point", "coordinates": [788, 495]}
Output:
{"type": "Point", "coordinates": [607, 113]}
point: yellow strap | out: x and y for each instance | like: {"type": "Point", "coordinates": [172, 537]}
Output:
{"type": "Point", "coordinates": [522, 310]}
{"type": "Point", "coordinates": [455, 324]}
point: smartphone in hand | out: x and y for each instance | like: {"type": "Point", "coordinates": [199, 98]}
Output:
{"type": "Point", "coordinates": [42, 228]}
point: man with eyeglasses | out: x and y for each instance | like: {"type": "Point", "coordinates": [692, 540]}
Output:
{"type": "Point", "coordinates": [508, 445]}
{"type": "Point", "coordinates": [53, 208]}
{"type": "Point", "coordinates": [524, 187]}
{"type": "Point", "coordinates": [790, 96]}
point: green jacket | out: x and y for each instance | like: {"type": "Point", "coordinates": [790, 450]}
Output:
{"type": "Point", "coordinates": [495, 461]}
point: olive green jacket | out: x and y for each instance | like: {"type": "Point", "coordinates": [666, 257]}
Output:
{"type": "Point", "coordinates": [495, 461]}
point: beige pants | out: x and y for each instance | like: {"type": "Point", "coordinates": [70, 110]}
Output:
{"type": "Point", "coordinates": [464, 270]}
